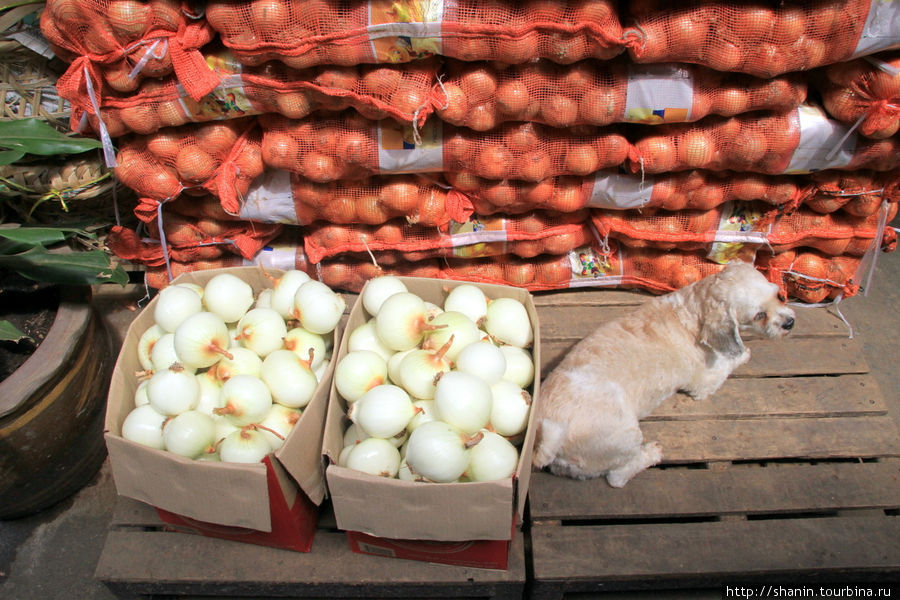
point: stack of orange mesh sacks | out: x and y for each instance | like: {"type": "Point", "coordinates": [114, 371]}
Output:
{"type": "Point", "coordinates": [540, 144]}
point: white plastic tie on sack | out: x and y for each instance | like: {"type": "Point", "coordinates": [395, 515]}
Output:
{"type": "Point", "coordinates": [880, 64]}
{"type": "Point", "coordinates": [109, 153]}
{"type": "Point", "coordinates": [833, 304]}
{"type": "Point", "coordinates": [150, 53]}
{"type": "Point", "coordinates": [837, 147]}
{"type": "Point", "coordinates": [162, 239]}
{"type": "Point", "coordinates": [866, 267]}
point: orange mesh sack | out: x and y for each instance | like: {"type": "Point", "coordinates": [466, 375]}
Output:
{"type": "Point", "coordinates": [809, 276]}
{"type": "Point", "coordinates": [376, 91]}
{"type": "Point", "coordinates": [525, 236]}
{"type": "Point", "coordinates": [736, 230]}
{"type": "Point", "coordinates": [695, 189]}
{"type": "Point", "coordinates": [350, 147]}
{"type": "Point", "coordinates": [859, 193]}
{"type": "Point", "coordinates": [760, 38]}
{"type": "Point", "coordinates": [480, 95]}
{"type": "Point", "coordinates": [188, 240]}
{"type": "Point", "coordinates": [314, 32]}
{"type": "Point", "coordinates": [116, 43]}
{"type": "Point", "coordinates": [864, 92]}
{"type": "Point", "coordinates": [800, 141]}
{"type": "Point", "coordinates": [221, 158]}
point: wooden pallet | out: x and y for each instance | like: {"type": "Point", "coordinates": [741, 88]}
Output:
{"type": "Point", "coordinates": [142, 560]}
{"type": "Point", "coordinates": [788, 473]}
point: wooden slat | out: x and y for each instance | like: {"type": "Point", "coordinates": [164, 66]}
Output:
{"type": "Point", "coordinates": [770, 358]}
{"type": "Point", "coordinates": [166, 563]}
{"type": "Point", "coordinates": [739, 489]}
{"type": "Point", "coordinates": [716, 553]}
{"type": "Point", "coordinates": [743, 398]}
{"type": "Point", "coordinates": [766, 439]}
{"type": "Point", "coordinates": [557, 322]}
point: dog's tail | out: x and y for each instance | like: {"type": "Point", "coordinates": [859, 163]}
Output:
{"type": "Point", "coordinates": [549, 440]}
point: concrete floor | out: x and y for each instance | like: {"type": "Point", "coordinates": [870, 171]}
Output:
{"type": "Point", "coordinates": [52, 555]}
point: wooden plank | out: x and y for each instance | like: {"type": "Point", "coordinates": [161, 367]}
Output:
{"type": "Point", "coordinates": [557, 321]}
{"type": "Point", "coordinates": [736, 490]}
{"type": "Point", "coordinates": [770, 358]}
{"type": "Point", "coordinates": [596, 558]}
{"type": "Point", "coordinates": [166, 563]}
{"type": "Point", "coordinates": [589, 297]}
{"type": "Point", "coordinates": [743, 398]}
{"type": "Point", "coordinates": [767, 439]}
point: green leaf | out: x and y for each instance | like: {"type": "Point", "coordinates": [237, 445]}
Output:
{"type": "Point", "coordinates": [34, 236]}
{"type": "Point", "coordinates": [9, 333]}
{"type": "Point", "coordinates": [8, 157]}
{"type": "Point", "coordinates": [34, 136]}
{"type": "Point", "coordinates": [74, 268]}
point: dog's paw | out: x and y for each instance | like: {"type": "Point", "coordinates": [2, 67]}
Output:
{"type": "Point", "coordinates": [653, 452]}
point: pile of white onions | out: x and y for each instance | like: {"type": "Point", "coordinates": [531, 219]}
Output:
{"type": "Point", "coordinates": [227, 373]}
{"type": "Point", "coordinates": [436, 393]}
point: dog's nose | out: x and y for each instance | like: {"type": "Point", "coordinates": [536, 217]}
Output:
{"type": "Point", "coordinates": [788, 324]}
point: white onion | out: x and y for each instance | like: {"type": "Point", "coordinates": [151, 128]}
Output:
{"type": "Point", "coordinates": [173, 391]}
{"type": "Point", "coordinates": [439, 452]}
{"type": "Point", "coordinates": [201, 340]}
{"type": "Point", "coordinates": [425, 411]}
{"type": "Point", "coordinates": [228, 296]}
{"type": "Point", "coordinates": [210, 393]}
{"type": "Point", "coordinates": [455, 325]}
{"type": "Point", "coordinates": [510, 408]}
{"type": "Point", "coordinates": [519, 365]}
{"type": "Point", "coordinates": [246, 445]}
{"type": "Point", "coordinates": [145, 345]}
{"type": "Point", "coordinates": [174, 304]}
{"type": "Point", "coordinates": [284, 290]}
{"type": "Point", "coordinates": [420, 369]}
{"type": "Point", "coordinates": [469, 300]}
{"type": "Point", "coordinates": [264, 299]}
{"type": "Point", "coordinates": [163, 354]}
{"type": "Point", "coordinates": [345, 453]}
{"type": "Point", "coordinates": [300, 342]}
{"type": "Point", "coordinates": [189, 434]}
{"type": "Point", "coordinates": [365, 337]}
{"type": "Point", "coordinates": [393, 365]}
{"type": "Point", "coordinates": [379, 289]}
{"type": "Point", "coordinates": [224, 428]}
{"type": "Point", "coordinates": [401, 322]}
{"type": "Point", "coordinates": [277, 425]}
{"type": "Point", "coordinates": [290, 380]}
{"type": "Point", "coordinates": [507, 321]}
{"type": "Point", "coordinates": [358, 372]}
{"type": "Point", "coordinates": [140, 394]}
{"type": "Point", "coordinates": [318, 308]}
{"type": "Point", "coordinates": [482, 359]}
{"type": "Point", "coordinates": [374, 456]}
{"type": "Point", "coordinates": [354, 435]}
{"type": "Point", "coordinates": [463, 401]}
{"type": "Point", "coordinates": [195, 287]}
{"type": "Point", "coordinates": [432, 310]}
{"type": "Point", "coordinates": [319, 371]}
{"type": "Point", "coordinates": [382, 412]}
{"type": "Point", "coordinates": [404, 473]}
{"type": "Point", "coordinates": [243, 361]}
{"type": "Point", "coordinates": [209, 457]}
{"type": "Point", "coordinates": [143, 425]}
{"type": "Point", "coordinates": [262, 330]}
{"type": "Point", "coordinates": [246, 400]}
{"type": "Point", "coordinates": [492, 459]}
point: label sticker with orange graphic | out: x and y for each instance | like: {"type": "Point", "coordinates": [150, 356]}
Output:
{"type": "Point", "coordinates": [405, 30]}
{"type": "Point", "coordinates": [738, 236]}
{"type": "Point", "coordinates": [591, 267]}
{"type": "Point", "coordinates": [227, 101]}
{"type": "Point", "coordinates": [403, 149]}
{"type": "Point", "coordinates": [662, 93]}
{"type": "Point", "coordinates": [479, 237]}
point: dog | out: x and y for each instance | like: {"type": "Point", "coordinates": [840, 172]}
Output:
{"type": "Point", "coordinates": [685, 341]}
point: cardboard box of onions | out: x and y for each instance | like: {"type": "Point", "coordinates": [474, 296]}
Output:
{"type": "Point", "coordinates": [429, 434]}
{"type": "Point", "coordinates": [217, 404]}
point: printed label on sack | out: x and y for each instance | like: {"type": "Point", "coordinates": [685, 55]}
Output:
{"type": "Point", "coordinates": [824, 143]}
{"type": "Point", "coordinates": [270, 199]}
{"type": "Point", "coordinates": [882, 28]}
{"type": "Point", "coordinates": [405, 30]}
{"type": "Point", "coordinates": [590, 267]}
{"type": "Point", "coordinates": [659, 93]}
{"type": "Point", "coordinates": [738, 235]}
{"type": "Point", "coordinates": [478, 237]}
{"type": "Point", "coordinates": [402, 149]}
{"type": "Point", "coordinates": [227, 101]}
{"type": "Point", "coordinates": [620, 191]}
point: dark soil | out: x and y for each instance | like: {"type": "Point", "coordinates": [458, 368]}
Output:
{"type": "Point", "coordinates": [30, 307]}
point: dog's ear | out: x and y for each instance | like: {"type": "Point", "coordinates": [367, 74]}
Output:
{"type": "Point", "coordinates": [719, 331]}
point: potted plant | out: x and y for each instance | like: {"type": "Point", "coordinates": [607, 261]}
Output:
{"type": "Point", "coordinates": [58, 355]}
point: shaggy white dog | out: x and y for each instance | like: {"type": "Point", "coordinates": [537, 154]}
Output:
{"type": "Point", "coordinates": [687, 341]}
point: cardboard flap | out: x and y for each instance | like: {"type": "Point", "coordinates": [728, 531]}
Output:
{"type": "Point", "coordinates": [221, 493]}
